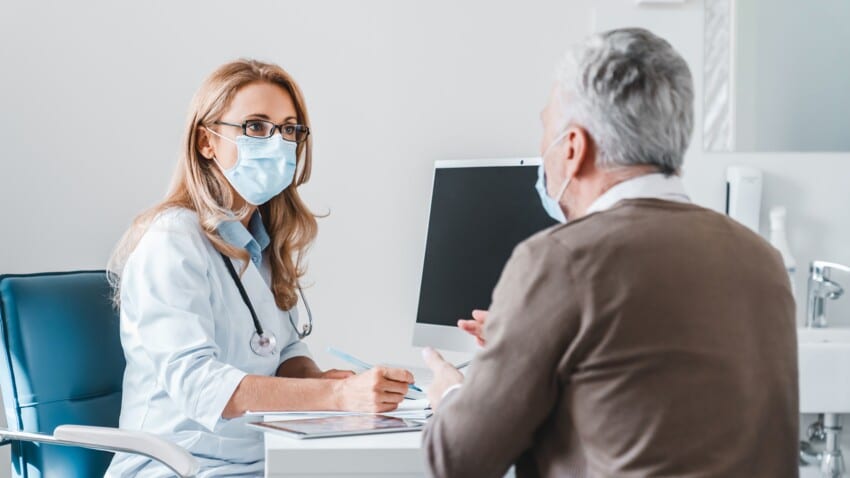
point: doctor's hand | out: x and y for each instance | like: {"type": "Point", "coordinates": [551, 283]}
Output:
{"type": "Point", "coordinates": [445, 376]}
{"type": "Point", "coordinates": [335, 374]}
{"type": "Point", "coordinates": [379, 389]}
{"type": "Point", "coordinates": [475, 327]}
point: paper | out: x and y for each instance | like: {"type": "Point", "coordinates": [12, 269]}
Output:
{"type": "Point", "coordinates": [406, 409]}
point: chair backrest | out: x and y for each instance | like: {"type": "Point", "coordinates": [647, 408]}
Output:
{"type": "Point", "coordinates": [61, 362]}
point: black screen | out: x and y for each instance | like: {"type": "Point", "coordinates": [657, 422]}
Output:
{"type": "Point", "coordinates": [478, 216]}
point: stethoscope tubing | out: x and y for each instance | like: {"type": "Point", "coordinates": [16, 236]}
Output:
{"type": "Point", "coordinates": [258, 327]}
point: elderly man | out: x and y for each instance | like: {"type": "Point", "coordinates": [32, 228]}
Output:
{"type": "Point", "coordinates": [645, 337]}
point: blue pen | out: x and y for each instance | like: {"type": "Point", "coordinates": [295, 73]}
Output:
{"type": "Point", "coordinates": [356, 361]}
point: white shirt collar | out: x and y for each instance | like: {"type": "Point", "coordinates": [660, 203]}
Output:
{"type": "Point", "coordinates": [654, 186]}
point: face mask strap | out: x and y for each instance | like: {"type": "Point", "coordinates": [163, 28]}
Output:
{"type": "Point", "coordinates": [220, 135]}
{"type": "Point", "coordinates": [557, 140]}
{"type": "Point", "coordinates": [222, 168]}
{"type": "Point", "coordinates": [554, 142]}
{"type": "Point", "coordinates": [563, 190]}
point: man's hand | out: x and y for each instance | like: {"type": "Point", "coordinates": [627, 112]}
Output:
{"type": "Point", "coordinates": [445, 375]}
{"type": "Point", "coordinates": [475, 327]}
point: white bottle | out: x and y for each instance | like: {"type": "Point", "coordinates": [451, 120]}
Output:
{"type": "Point", "coordinates": [779, 240]}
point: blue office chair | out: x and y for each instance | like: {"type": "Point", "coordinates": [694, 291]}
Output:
{"type": "Point", "coordinates": [61, 370]}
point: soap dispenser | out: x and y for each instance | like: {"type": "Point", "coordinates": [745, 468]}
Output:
{"type": "Point", "coordinates": [779, 240]}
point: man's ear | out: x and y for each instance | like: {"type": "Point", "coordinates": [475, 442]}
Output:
{"type": "Point", "coordinates": [579, 150]}
{"type": "Point", "coordinates": [203, 143]}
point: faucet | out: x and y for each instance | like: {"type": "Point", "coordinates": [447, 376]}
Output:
{"type": "Point", "coordinates": [827, 429]}
{"type": "Point", "coordinates": [820, 289]}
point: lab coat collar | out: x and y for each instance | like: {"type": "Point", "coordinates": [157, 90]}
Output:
{"type": "Point", "coordinates": [655, 186]}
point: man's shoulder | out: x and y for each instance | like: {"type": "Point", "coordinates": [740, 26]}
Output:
{"type": "Point", "coordinates": [633, 215]}
{"type": "Point", "coordinates": [636, 221]}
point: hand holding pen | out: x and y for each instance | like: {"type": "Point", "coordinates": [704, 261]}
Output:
{"type": "Point", "coordinates": [365, 365]}
{"type": "Point", "coordinates": [377, 389]}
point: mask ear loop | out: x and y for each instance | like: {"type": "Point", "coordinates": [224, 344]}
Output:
{"type": "Point", "coordinates": [557, 140]}
{"type": "Point", "coordinates": [215, 160]}
{"type": "Point", "coordinates": [563, 190]}
{"type": "Point", "coordinates": [220, 135]}
{"type": "Point", "coordinates": [221, 168]}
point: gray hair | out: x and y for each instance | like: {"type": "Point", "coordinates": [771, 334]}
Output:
{"type": "Point", "coordinates": [634, 95]}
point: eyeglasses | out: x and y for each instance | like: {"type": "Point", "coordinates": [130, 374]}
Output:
{"type": "Point", "coordinates": [266, 129]}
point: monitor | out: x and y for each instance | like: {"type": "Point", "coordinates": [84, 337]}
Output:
{"type": "Point", "coordinates": [480, 210]}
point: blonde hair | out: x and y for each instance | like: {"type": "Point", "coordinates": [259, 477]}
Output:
{"type": "Point", "coordinates": [199, 185]}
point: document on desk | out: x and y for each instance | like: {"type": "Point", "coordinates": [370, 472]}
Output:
{"type": "Point", "coordinates": [420, 408]}
{"type": "Point", "coordinates": [338, 426]}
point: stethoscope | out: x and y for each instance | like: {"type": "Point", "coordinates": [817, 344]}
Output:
{"type": "Point", "coordinates": [262, 343]}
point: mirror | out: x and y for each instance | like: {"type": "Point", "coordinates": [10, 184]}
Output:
{"type": "Point", "coordinates": [777, 76]}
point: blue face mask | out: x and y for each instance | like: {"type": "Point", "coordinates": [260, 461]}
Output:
{"type": "Point", "coordinates": [551, 205]}
{"type": "Point", "coordinates": [264, 167]}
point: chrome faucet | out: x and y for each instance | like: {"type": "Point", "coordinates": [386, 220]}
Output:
{"type": "Point", "coordinates": [827, 429]}
{"type": "Point", "coordinates": [821, 287]}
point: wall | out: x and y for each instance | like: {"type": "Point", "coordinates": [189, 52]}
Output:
{"type": "Point", "coordinates": [788, 98]}
{"type": "Point", "coordinates": [94, 95]}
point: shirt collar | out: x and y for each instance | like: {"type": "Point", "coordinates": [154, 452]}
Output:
{"type": "Point", "coordinates": [255, 239]}
{"type": "Point", "coordinates": [654, 186]}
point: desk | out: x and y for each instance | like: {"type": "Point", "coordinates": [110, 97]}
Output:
{"type": "Point", "coordinates": [385, 455]}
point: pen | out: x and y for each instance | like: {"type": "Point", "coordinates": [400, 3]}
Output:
{"type": "Point", "coordinates": [359, 363]}
{"type": "Point", "coordinates": [463, 364]}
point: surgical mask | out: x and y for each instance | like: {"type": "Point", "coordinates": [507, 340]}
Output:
{"type": "Point", "coordinates": [264, 167]}
{"type": "Point", "coordinates": [551, 205]}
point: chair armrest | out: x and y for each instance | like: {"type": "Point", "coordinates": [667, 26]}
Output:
{"type": "Point", "coordinates": [179, 460]}
{"type": "Point", "coordinates": [115, 439]}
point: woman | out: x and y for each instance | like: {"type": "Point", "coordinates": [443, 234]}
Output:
{"type": "Point", "coordinates": [207, 283]}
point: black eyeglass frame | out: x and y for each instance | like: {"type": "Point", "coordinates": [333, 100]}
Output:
{"type": "Point", "coordinates": [299, 128]}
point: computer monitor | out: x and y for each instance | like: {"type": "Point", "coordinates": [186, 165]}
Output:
{"type": "Point", "coordinates": [480, 211]}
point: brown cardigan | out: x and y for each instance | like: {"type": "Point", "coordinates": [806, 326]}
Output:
{"type": "Point", "coordinates": [652, 339]}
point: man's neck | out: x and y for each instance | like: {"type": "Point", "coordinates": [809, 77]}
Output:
{"type": "Point", "coordinates": [604, 181]}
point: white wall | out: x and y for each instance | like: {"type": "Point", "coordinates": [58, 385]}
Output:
{"type": "Point", "coordinates": [93, 98]}
{"type": "Point", "coordinates": [786, 97]}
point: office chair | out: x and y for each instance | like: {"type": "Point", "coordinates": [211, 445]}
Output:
{"type": "Point", "coordinates": [61, 371]}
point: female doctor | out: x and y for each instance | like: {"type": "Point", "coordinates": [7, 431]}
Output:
{"type": "Point", "coordinates": [208, 281]}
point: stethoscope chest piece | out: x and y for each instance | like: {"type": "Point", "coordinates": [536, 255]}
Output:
{"type": "Point", "coordinates": [263, 344]}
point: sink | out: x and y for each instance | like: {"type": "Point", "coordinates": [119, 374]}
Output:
{"type": "Point", "coordinates": [824, 364]}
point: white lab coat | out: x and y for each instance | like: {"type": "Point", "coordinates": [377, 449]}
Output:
{"type": "Point", "coordinates": [185, 332]}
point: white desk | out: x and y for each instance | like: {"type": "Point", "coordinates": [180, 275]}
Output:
{"type": "Point", "coordinates": [386, 455]}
